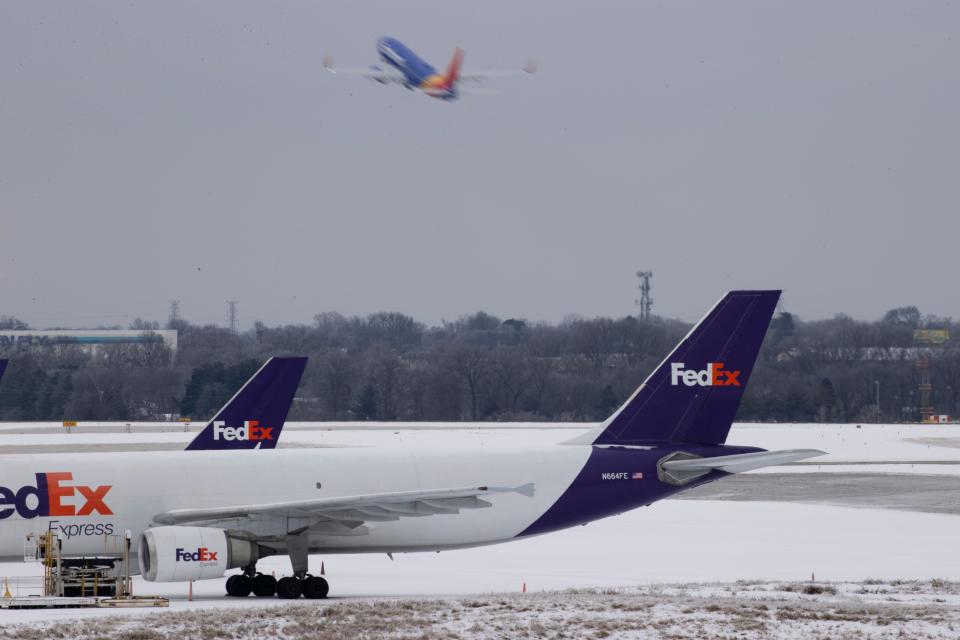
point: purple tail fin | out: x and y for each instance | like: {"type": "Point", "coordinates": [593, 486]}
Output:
{"type": "Point", "coordinates": [3, 367]}
{"type": "Point", "coordinates": [692, 397]}
{"type": "Point", "coordinates": [253, 418]}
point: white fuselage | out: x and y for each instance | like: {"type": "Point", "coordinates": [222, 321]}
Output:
{"type": "Point", "coordinates": [143, 485]}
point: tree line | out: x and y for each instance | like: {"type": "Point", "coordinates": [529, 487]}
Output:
{"type": "Point", "coordinates": [388, 366]}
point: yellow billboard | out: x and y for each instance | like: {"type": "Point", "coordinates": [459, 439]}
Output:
{"type": "Point", "coordinates": [931, 336]}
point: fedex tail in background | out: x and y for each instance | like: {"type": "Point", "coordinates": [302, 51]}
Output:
{"type": "Point", "coordinates": [692, 397]}
{"type": "Point", "coordinates": [254, 417]}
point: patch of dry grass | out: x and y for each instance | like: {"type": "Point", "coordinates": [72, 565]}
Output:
{"type": "Point", "coordinates": [744, 610]}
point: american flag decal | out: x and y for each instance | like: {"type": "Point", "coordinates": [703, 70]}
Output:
{"type": "Point", "coordinates": [637, 475]}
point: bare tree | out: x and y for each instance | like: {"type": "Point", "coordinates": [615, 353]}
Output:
{"type": "Point", "coordinates": [152, 393]}
{"type": "Point", "coordinates": [384, 370]}
{"type": "Point", "coordinates": [97, 394]}
{"type": "Point", "coordinates": [9, 323]}
{"type": "Point", "coordinates": [471, 365]}
{"type": "Point", "coordinates": [513, 373]}
{"type": "Point", "coordinates": [338, 375]}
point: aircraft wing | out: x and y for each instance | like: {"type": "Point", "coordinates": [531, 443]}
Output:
{"type": "Point", "coordinates": [341, 515]}
{"type": "Point", "coordinates": [479, 76]}
{"type": "Point", "coordinates": [377, 74]}
{"type": "Point", "coordinates": [384, 77]}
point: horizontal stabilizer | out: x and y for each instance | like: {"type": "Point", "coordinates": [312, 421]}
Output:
{"type": "Point", "coordinates": [742, 461]}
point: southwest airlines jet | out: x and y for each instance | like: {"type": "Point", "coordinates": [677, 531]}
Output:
{"type": "Point", "coordinates": [410, 70]}
{"type": "Point", "coordinates": [199, 513]}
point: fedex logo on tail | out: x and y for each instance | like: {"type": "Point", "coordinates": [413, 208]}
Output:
{"type": "Point", "coordinates": [251, 430]}
{"type": "Point", "coordinates": [53, 494]}
{"type": "Point", "coordinates": [713, 376]}
{"type": "Point", "coordinates": [202, 554]}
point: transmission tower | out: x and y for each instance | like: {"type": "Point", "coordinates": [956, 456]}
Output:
{"type": "Point", "coordinates": [232, 315]}
{"type": "Point", "coordinates": [645, 301]}
{"type": "Point", "coordinates": [174, 312]}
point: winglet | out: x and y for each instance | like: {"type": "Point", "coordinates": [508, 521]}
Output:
{"type": "Point", "coordinates": [453, 69]}
{"type": "Point", "coordinates": [328, 63]}
{"type": "Point", "coordinates": [531, 66]}
{"type": "Point", "coordinates": [523, 489]}
{"type": "Point", "coordinates": [253, 418]}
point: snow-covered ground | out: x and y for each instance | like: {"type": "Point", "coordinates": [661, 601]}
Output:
{"type": "Point", "coordinates": [692, 541]}
{"type": "Point", "coordinates": [843, 442]}
{"type": "Point", "coordinates": [746, 610]}
{"type": "Point", "coordinates": [898, 448]}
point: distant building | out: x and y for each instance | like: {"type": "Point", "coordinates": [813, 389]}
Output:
{"type": "Point", "coordinates": [89, 338]}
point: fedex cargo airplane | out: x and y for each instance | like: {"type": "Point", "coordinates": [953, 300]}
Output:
{"type": "Point", "coordinates": [200, 513]}
{"type": "Point", "coordinates": [410, 70]}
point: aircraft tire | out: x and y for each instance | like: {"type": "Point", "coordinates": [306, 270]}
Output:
{"type": "Point", "coordinates": [239, 586]}
{"type": "Point", "coordinates": [315, 587]}
{"type": "Point", "coordinates": [264, 586]}
{"type": "Point", "coordinates": [289, 588]}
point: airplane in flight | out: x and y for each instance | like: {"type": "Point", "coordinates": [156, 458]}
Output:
{"type": "Point", "coordinates": [197, 514]}
{"type": "Point", "coordinates": [410, 70]}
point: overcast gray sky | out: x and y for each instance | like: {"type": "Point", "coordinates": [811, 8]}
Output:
{"type": "Point", "coordinates": [198, 151]}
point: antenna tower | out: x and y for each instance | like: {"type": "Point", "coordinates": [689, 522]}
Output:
{"type": "Point", "coordinates": [232, 315]}
{"type": "Point", "coordinates": [645, 301]}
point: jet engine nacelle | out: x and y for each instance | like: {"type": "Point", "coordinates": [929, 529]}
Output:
{"type": "Point", "coordinates": [175, 554]}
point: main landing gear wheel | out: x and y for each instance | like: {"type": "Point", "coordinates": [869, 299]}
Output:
{"type": "Point", "coordinates": [302, 584]}
{"type": "Point", "coordinates": [239, 586]}
{"type": "Point", "coordinates": [264, 586]}
{"type": "Point", "coordinates": [315, 587]}
{"type": "Point", "coordinates": [290, 588]}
